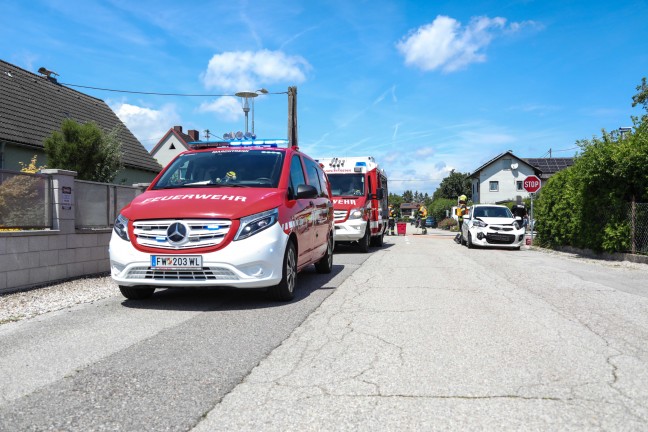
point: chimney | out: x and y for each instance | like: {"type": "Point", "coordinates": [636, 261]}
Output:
{"type": "Point", "coordinates": [177, 129]}
{"type": "Point", "coordinates": [195, 136]}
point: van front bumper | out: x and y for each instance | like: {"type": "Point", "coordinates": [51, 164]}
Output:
{"type": "Point", "coordinates": [351, 230]}
{"type": "Point", "coordinates": [255, 262]}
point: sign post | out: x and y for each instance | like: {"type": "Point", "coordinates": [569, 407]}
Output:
{"type": "Point", "coordinates": [532, 184]}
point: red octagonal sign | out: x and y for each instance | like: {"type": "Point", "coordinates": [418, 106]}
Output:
{"type": "Point", "coordinates": [532, 184]}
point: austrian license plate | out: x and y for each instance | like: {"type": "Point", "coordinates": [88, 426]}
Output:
{"type": "Point", "coordinates": [176, 261]}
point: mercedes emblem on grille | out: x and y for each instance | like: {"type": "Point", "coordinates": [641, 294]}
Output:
{"type": "Point", "coordinates": [177, 233]}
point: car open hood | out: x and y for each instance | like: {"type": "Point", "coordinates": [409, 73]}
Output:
{"type": "Point", "coordinates": [212, 203]}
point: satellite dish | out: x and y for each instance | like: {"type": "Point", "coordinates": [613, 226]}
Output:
{"type": "Point", "coordinates": [514, 165]}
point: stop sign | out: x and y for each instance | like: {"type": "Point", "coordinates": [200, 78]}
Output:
{"type": "Point", "coordinates": [532, 184]}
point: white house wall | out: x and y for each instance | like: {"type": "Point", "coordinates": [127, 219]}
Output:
{"type": "Point", "coordinates": [507, 178]}
{"type": "Point", "coordinates": [165, 153]}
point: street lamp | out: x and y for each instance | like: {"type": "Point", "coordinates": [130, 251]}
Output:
{"type": "Point", "coordinates": [246, 106]}
{"type": "Point", "coordinates": [623, 130]}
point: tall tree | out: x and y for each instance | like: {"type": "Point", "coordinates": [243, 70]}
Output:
{"type": "Point", "coordinates": [453, 185]}
{"type": "Point", "coordinates": [94, 154]}
{"type": "Point", "coordinates": [641, 98]}
{"type": "Point", "coordinates": [395, 200]}
{"type": "Point", "coordinates": [408, 196]}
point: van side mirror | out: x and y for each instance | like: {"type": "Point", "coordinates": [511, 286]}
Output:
{"type": "Point", "coordinates": [305, 191]}
{"type": "Point", "coordinates": [379, 195]}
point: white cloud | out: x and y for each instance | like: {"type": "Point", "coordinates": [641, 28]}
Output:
{"type": "Point", "coordinates": [148, 125]}
{"type": "Point", "coordinates": [446, 45]}
{"type": "Point", "coordinates": [227, 108]}
{"type": "Point", "coordinates": [424, 152]}
{"type": "Point", "coordinates": [248, 70]}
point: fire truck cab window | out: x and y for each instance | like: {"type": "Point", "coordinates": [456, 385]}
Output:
{"type": "Point", "coordinates": [347, 184]}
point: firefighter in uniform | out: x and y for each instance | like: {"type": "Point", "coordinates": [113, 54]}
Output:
{"type": "Point", "coordinates": [422, 212]}
{"type": "Point", "coordinates": [462, 209]}
{"type": "Point", "coordinates": [393, 215]}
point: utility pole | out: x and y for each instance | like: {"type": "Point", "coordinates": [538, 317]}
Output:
{"type": "Point", "coordinates": [292, 117]}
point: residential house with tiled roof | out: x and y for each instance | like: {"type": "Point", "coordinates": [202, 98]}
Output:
{"type": "Point", "coordinates": [501, 178]}
{"type": "Point", "coordinates": [409, 210]}
{"type": "Point", "coordinates": [33, 106]}
{"type": "Point", "coordinates": [173, 143]}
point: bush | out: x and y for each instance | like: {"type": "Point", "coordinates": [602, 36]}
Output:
{"type": "Point", "coordinates": [22, 201]}
{"type": "Point", "coordinates": [448, 224]}
{"type": "Point", "coordinates": [439, 206]}
{"type": "Point", "coordinates": [616, 237]}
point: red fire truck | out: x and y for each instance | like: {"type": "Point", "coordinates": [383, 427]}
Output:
{"type": "Point", "coordinates": [359, 190]}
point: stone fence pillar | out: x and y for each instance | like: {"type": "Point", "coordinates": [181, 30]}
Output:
{"type": "Point", "coordinates": [63, 199]}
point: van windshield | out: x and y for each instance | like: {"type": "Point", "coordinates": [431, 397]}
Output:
{"type": "Point", "coordinates": [235, 168]}
{"type": "Point", "coordinates": [347, 184]}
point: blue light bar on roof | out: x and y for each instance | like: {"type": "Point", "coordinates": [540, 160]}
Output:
{"type": "Point", "coordinates": [363, 164]}
{"type": "Point", "coordinates": [240, 143]}
{"type": "Point", "coordinates": [259, 142]}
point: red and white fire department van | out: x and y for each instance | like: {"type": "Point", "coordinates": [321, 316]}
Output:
{"type": "Point", "coordinates": [359, 188]}
{"type": "Point", "coordinates": [242, 214]}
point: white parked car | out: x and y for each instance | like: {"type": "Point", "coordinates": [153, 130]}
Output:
{"type": "Point", "coordinates": [491, 225]}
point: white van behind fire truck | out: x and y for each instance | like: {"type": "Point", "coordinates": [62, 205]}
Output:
{"type": "Point", "coordinates": [359, 190]}
{"type": "Point", "coordinates": [242, 214]}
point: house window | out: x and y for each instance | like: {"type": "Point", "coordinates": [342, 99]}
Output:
{"type": "Point", "coordinates": [518, 185]}
{"type": "Point", "coordinates": [493, 186]}
{"type": "Point", "coordinates": [507, 164]}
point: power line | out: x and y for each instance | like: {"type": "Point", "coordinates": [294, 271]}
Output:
{"type": "Point", "coordinates": [415, 180]}
{"type": "Point", "coordinates": [156, 93]}
{"type": "Point", "coordinates": [550, 151]}
{"type": "Point", "coordinates": [563, 150]}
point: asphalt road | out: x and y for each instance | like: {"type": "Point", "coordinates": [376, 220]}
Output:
{"type": "Point", "coordinates": [422, 334]}
{"type": "Point", "coordinates": [154, 365]}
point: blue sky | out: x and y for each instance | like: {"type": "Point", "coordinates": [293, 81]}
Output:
{"type": "Point", "coordinates": [423, 86]}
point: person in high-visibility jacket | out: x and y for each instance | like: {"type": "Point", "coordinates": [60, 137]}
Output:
{"type": "Point", "coordinates": [422, 213]}
{"type": "Point", "coordinates": [393, 215]}
{"type": "Point", "coordinates": [462, 209]}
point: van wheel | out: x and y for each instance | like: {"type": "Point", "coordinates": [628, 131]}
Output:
{"type": "Point", "coordinates": [469, 242]}
{"type": "Point", "coordinates": [285, 290]}
{"type": "Point", "coordinates": [136, 293]}
{"type": "Point", "coordinates": [325, 264]}
{"type": "Point", "coordinates": [378, 241]}
{"type": "Point", "coordinates": [363, 243]}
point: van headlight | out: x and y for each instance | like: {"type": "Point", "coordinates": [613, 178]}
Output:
{"type": "Point", "coordinates": [355, 213]}
{"type": "Point", "coordinates": [256, 223]}
{"type": "Point", "coordinates": [121, 227]}
{"type": "Point", "coordinates": [480, 224]}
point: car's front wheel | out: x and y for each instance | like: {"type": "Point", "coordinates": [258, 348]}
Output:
{"type": "Point", "coordinates": [136, 293]}
{"type": "Point", "coordinates": [285, 289]}
{"type": "Point", "coordinates": [469, 242]}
